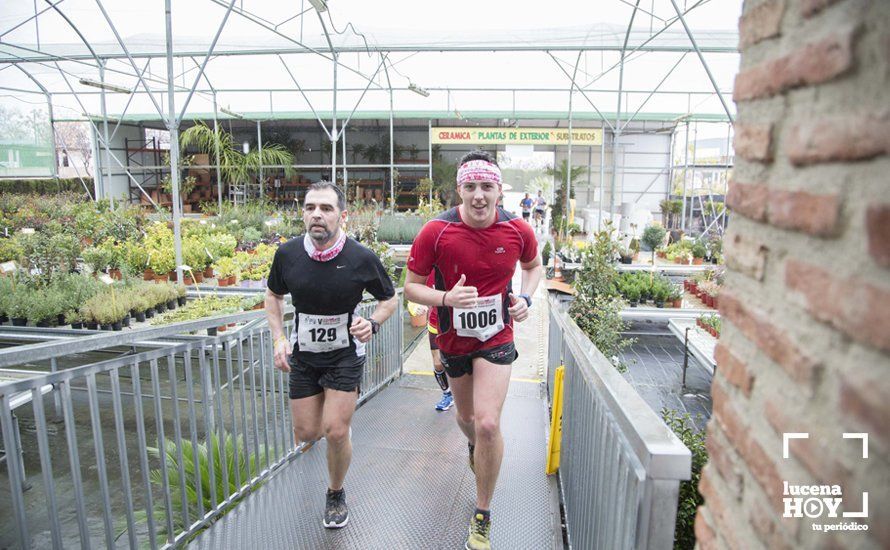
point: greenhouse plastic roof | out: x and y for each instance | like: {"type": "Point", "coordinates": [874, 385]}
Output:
{"type": "Point", "coordinates": [273, 60]}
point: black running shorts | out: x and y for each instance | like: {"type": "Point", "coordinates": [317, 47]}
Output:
{"type": "Point", "coordinates": [306, 381]}
{"type": "Point", "coordinates": [459, 365]}
{"type": "Point", "coordinates": [433, 344]}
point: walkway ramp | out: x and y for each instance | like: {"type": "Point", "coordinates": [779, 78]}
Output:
{"type": "Point", "coordinates": [409, 485]}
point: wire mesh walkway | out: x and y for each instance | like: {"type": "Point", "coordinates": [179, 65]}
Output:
{"type": "Point", "coordinates": [409, 485]}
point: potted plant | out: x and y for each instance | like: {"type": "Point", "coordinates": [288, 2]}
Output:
{"type": "Point", "coordinates": [181, 295]}
{"type": "Point", "coordinates": [676, 297]}
{"type": "Point", "coordinates": [653, 237]}
{"type": "Point", "coordinates": [138, 305]}
{"type": "Point", "coordinates": [698, 253]}
{"type": "Point", "coordinates": [226, 270]}
{"type": "Point", "coordinates": [633, 295]}
{"type": "Point", "coordinates": [659, 294]}
{"type": "Point", "coordinates": [72, 317]}
{"type": "Point", "coordinates": [97, 258]}
{"type": "Point", "coordinates": [626, 255]}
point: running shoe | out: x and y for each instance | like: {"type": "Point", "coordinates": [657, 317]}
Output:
{"type": "Point", "coordinates": [472, 459]}
{"type": "Point", "coordinates": [336, 514]}
{"type": "Point", "coordinates": [478, 535]}
{"type": "Point", "coordinates": [446, 402]}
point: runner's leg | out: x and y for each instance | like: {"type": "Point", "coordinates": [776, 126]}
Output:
{"type": "Point", "coordinates": [337, 416]}
{"type": "Point", "coordinates": [489, 393]}
{"type": "Point", "coordinates": [306, 415]}
{"type": "Point", "coordinates": [462, 390]}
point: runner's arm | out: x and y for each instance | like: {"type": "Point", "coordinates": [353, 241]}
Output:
{"type": "Point", "coordinates": [531, 274]}
{"type": "Point", "coordinates": [385, 309]}
{"type": "Point", "coordinates": [418, 292]}
{"type": "Point", "coordinates": [275, 314]}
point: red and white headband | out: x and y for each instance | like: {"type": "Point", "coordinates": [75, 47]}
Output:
{"type": "Point", "coordinates": [474, 171]}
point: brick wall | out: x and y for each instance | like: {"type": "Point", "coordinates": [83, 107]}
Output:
{"type": "Point", "coordinates": [806, 344]}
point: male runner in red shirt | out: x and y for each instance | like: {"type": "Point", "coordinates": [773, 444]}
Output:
{"type": "Point", "coordinates": [472, 250]}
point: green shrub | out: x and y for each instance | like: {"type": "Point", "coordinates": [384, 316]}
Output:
{"type": "Point", "coordinates": [10, 249]}
{"type": "Point", "coordinates": [690, 498]}
{"type": "Point", "coordinates": [97, 258]}
{"type": "Point", "coordinates": [46, 186]}
{"type": "Point", "coordinates": [597, 305]}
{"type": "Point", "coordinates": [399, 229]}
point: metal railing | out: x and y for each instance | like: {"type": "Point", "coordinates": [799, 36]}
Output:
{"type": "Point", "coordinates": [118, 466]}
{"type": "Point", "coordinates": [620, 465]}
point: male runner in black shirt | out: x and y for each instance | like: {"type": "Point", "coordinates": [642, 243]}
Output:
{"type": "Point", "coordinates": [326, 273]}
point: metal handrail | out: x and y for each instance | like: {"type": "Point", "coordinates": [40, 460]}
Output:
{"type": "Point", "coordinates": [215, 388]}
{"type": "Point", "coordinates": [82, 344]}
{"type": "Point", "coordinates": [620, 465]}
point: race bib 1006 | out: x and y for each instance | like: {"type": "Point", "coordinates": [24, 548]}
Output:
{"type": "Point", "coordinates": [482, 321]}
{"type": "Point", "coordinates": [321, 333]}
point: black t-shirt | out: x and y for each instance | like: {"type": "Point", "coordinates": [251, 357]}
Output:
{"type": "Point", "coordinates": [328, 289]}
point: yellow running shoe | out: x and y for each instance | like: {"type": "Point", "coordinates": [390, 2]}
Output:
{"type": "Point", "coordinates": [477, 538]}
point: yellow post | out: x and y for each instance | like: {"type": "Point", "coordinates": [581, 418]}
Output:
{"type": "Point", "coordinates": [553, 444]}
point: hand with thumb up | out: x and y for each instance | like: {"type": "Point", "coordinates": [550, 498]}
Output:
{"type": "Point", "coordinates": [461, 296]}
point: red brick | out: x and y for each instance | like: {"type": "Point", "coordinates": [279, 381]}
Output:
{"type": "Point", "coordinates": [733, 370]}
{"type": "Point", "coordinates": [877, 227]}
{"type": "Point", "coordinates": [814, 63]}
{"type": "Point", "coordinates": [761, 22]}
{"type": "Point", "coordinates": [775, 532]}
{"type": "Point", "coordinates": [753, 141]}
{"type": "Point", "coordinates": [863, 397]}
{"type": "Point", "coordinates": [748, 199]}
{"type": "Point", "coordinates": [704, 535]}
{"type": "Point", "coordinates": [727, 416]}
{"type": "Point", "coordinates": [813, 453]}
{"type": "Point", "coordinates": [747, 256]}
{"type": "Point", "coordinates": [763, 468]}
{"type": "Point", "coordinates": [852, 305]}
{"type": "Point", "coordinates": [772, 340]}
{"type": "Point", "coordinates": [809, 8]}
{"type": "Point", "coordinates": [717, 508]}
{"type": "Point", "coordinates": [838, 138]}
{"type": "Point", "coordinates": [722, 456]}
{"type": "Point", "coordinates": [818, 215]}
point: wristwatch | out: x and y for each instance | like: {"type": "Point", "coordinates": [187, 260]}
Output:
{"type": "Point", "coordinates": [375, 327]}
{"type": "Point", "coordinates": [528, 299]}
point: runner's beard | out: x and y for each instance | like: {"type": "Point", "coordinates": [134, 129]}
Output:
{"type": "Point", "coordinates": [325, 237]}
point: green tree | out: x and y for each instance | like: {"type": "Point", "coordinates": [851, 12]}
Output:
{"type": "Point", "coordinates": [560, 173]}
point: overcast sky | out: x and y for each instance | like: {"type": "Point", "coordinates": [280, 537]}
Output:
{"type": "Point", "coordinates": [143, 22]}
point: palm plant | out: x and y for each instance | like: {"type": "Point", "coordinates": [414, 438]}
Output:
{"type": "Point", "coordinates": [249, 465]}
{"type": "Point", "coordinates": [235, 166]}
{"type": "Point", "coordinates": [357, 149]}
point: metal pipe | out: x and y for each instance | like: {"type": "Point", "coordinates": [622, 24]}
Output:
{"type": "Point", "coordinates": [702, 59]}
{"type": "Point", "coordinates": [429, 155]}
{"type": "Point", "coordinates": [219, 189]}
{"type": "Point", "coordinates": [567, 210]}
{"type": "Point", "coordinates": [685, 173]}
{"type": "Point", "coordinates": [169, 55]}
{"type": "Point", "coordinates": [173, 128]}
{"type": "Point", "coordinates": [198, 76]}
{"type": "Point", "coordinates": [602, 182]}
{"type": "Point", "coordinates": [259, 144]}
{"type": "Point", "coordinates": [109, 194]}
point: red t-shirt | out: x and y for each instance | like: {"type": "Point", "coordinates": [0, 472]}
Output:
{"type": "Point", "coordinates": [433, 321]}
{"type": "Point", "coordinates": [448, 248]}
